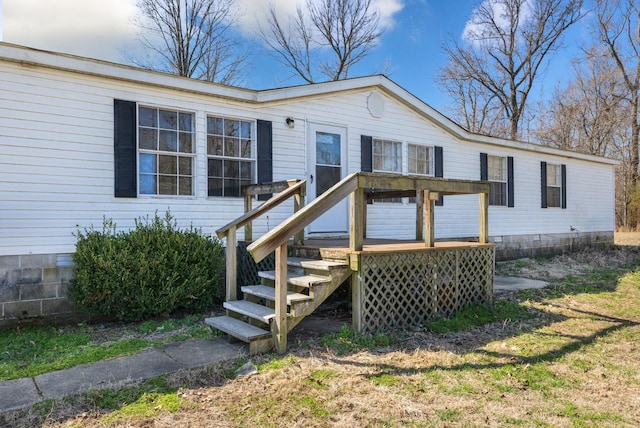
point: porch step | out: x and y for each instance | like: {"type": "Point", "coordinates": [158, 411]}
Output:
{"type": "Point", "coordinates": [299, 280]}
{"type": "Point", "coordinates": [269, 293]}
{"type": "Point", "coordinates": [252, 310]}
{"type": "Point", "coordinates": [236, 328]}
{"type": "Point", "coordinates": [315, 264]}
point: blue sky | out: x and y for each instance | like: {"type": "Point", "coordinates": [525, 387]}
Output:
{"type": "Point", "coordinates": [413, 33]}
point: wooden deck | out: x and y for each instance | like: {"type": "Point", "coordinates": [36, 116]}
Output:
{"type": "Point", "coordinates": [338, 248]}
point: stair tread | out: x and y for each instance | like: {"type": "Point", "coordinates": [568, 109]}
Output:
{"type": "Point", "coordinates": [237, 328]}
{"type": "Point", "coordinates": [266, 292]}
{"type": "Point", "coordinates": [300, 280]}
{"type": "Point", "coordinates": [250, 309]}
{"type": "Point", "coordinates": [314, 263]}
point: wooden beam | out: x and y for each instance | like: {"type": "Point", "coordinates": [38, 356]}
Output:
{"type": "Point", "coordinates": [279, 327]}
{"type": "Point", "coordinates": [403, 183]}
{"type": "Point", "coordinates": [356, 302]}
{"type": "Point", "coordinates": [357, 207]}
{"type": "Point", "coordinates": [484, 218]}
{"type": "Point", "coordinates": [231, 265]}
{"type": "Point", "coordinates": [248, 227]}
{"type": "Point", "coordinates": [265, 188]}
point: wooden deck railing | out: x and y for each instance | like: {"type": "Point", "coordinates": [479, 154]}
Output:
{"type": "Point", "coordinates": [426, 189]}
{"type": "Point", "coordinates": [286, 189]}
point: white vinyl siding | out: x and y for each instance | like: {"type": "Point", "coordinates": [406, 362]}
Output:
{"type": "Point", "coordinates": [57, 160]}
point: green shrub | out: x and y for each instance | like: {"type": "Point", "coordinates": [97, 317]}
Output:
{"type": "Point", "coordinates": [155, 269]}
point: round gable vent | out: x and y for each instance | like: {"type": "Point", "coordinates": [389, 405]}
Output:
{"type": "Point", "coordinates": [375, 104]}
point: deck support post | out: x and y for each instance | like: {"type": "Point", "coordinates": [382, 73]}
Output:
{"type": "Point", "coordinates": [298, 204]}
{"type": "Point", "coordinates": [356, 299]}
{"type": "Point", "coordinates": [356, 224]}
{"type": "Point", "coordinates": [420, 198]}
{"type": "Point", "coordinates": [279, 327]}
{"type": "Point", "coordinates": [428, 218]}
{"type": "Point", "coordinates": [484, 219]}
{"type": "Point", "coordinates": [231, 266]}
{"type": "Point", "coordinates": [248, 228]}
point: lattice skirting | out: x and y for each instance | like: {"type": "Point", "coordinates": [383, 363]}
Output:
{"type": "Point", "coordinates": [248, 269]}
{"type": "Point", "coordinates": [398, 290]}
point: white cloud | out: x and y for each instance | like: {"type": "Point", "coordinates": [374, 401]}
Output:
{"type": "Point", "coordinates": [474, 27]}
{"type": "Point", "coordinates": [97, 29]}
{"type": "Point", "coordinates": [255, 12]}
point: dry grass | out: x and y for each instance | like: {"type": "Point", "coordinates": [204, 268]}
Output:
{"type": "Point", "coordinates": [575, 363]}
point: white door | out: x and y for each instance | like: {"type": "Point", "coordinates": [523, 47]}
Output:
{"type": "Point", "coordinates": [327, 165]}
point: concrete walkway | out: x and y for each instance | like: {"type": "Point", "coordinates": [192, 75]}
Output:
{"type": "Point", "coordinates": [190, 354]}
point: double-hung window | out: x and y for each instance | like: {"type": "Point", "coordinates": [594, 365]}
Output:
{"type": "Point", "coordinates": [165, 151]}
{"type": "Point", "coordinates": [387, 156]}
{"type": "Point", "coordinates": [230, 155]}
{"type": "Point", "coordinates": [554, 185]}
{"type": "Point", "coordinates": [420, 159]}
{"type": "Point", "coordinates": [497, 175]}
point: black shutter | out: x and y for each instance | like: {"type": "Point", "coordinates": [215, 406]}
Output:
{"type": "Point", "coordinates": [366, 153]}
{"type": "Point", "coordinates": [124, 149]}
{"type": "Point", "coordinates": [484, 173]}
{"type": "Point", "coordinates": [543, 184]}
{"type": "Point", "coordinates": [264, 143]}
{"type": "Point", "coordinates": [564, 186]}
{"type": "Point", "coordinates": [438, 170]}
{"type": "Point", "coordinates": [510, 189]}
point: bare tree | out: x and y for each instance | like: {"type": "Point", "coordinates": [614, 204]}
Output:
{"type": "Point", "coordinates": [192, 38]}
{"type": "Point", "coordinates": [506, 45]}
{"type": "Point", "coordinates": [334, 36]}
{"type": "Point", "coordinates": [619, 32]}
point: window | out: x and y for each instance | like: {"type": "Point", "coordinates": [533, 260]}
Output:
{"type": "Point", "coordinates": [420, 159]}
{"type": "Point", "coordinates": [497, 175]}
{"type": "Point", "coordinates": [165, 152]}
{"type": "Point", "coordinates": [554, 185]}
{"type": "Point", "coordinates": [231, 160]}
{"type": "Point", "coordinates": [553, 178]}
{"type": "Point", "coordinates": [387, 156]}
{"type": "Point", "coordinates": [498, 171]}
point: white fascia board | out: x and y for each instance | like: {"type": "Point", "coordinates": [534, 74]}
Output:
{"type": "Point", "coordinates": [93, 67]}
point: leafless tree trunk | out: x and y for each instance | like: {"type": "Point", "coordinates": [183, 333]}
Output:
{"type": "Point", "coordinates": [191, 38]}
{"type": "Point", "coordinates": [619, 32]}
{"type": "Point", "coordinates": [334, 36]}
{"type": "Point", "coordinates": [506, 44]}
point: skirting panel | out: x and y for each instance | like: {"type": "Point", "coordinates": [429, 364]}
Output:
{"type": "Point", "coordinates": [406, 289]}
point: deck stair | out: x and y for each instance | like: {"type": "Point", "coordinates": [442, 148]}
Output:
{"type": "Point", "coordinates": [309, 283]}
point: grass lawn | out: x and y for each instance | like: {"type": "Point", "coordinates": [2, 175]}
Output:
{"type": "Point", "coordinates": [564, 356]}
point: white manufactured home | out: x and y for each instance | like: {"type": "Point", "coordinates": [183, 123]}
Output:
{"type": "Point", "coordinates": [81, 140]}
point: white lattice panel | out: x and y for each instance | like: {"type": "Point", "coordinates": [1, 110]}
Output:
{"type": "Point", "coordinates": [406, 289]}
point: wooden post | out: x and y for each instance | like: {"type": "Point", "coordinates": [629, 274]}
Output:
{"type": "Point", "coordinates": [420, 199]}
{"type": "Point", "coordinates": [298, 204]}
{"type": "Point", "coordinates": [356, 221]}
{"type": "Point", "coordinates": [356, 298]}
{"type": "Point", "coordinates": [429, 208]}
{"type": "Point", "coordinates": [484, 218]}
{"type": "Point", "coordinates": [280, 322]}
{"type": "Point", "coordinates": [231, 266]}
{"type": "Point", "coordinates": [248, 228]}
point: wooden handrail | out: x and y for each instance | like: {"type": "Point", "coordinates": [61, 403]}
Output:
{"type": "Point", "coordinates": [279, 235]}
{"type": "Point", "coordinates": [299, 187]}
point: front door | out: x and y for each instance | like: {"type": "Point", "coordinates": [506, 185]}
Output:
{"type": "Point", "coordinates": [327, 165]}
